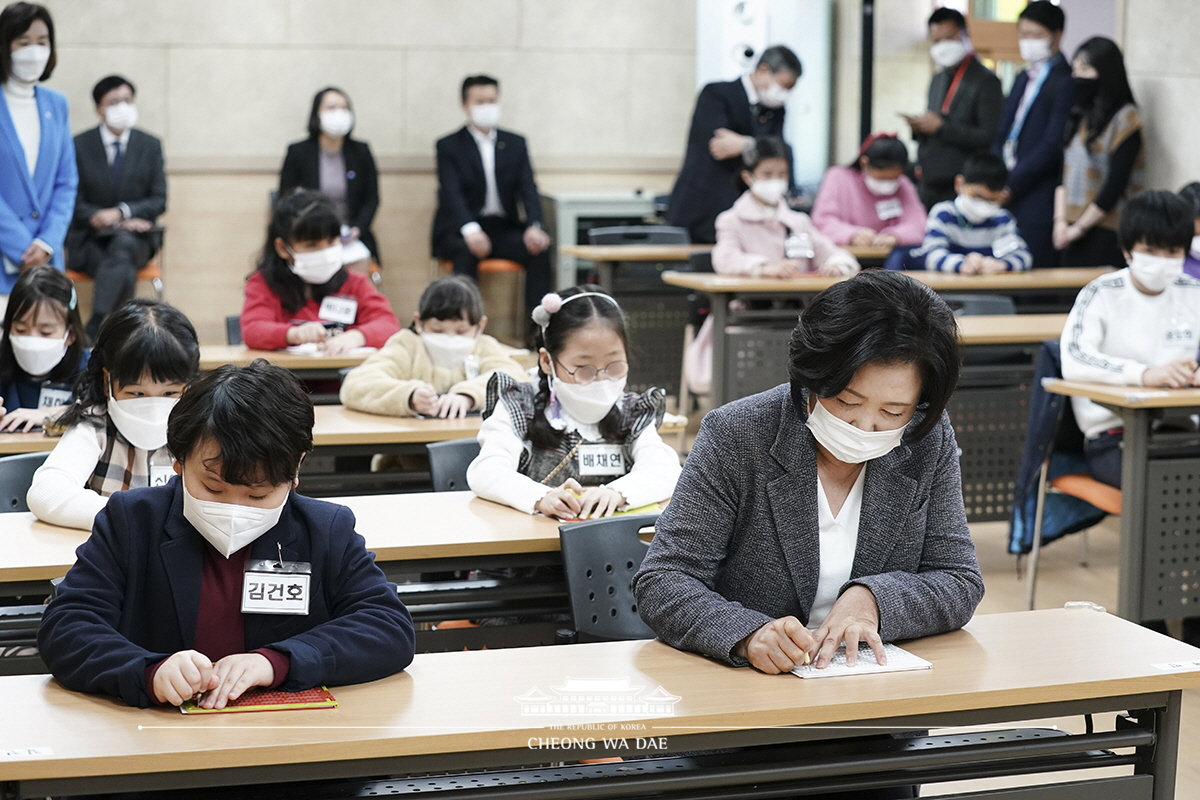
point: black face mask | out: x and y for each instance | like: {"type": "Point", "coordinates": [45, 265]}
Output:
{"type": "Point", "coordinates": [1085, 90]}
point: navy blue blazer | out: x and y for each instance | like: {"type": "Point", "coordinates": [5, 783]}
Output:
{"type": "Point", "coordinates": [38, 207]}
{"type": "Point", "coordinates": [1040, 144]}
{"type": "Point", "coordinates": [131, 599]}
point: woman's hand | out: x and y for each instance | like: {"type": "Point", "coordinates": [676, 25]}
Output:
{"type": "Point", "coordinates": [600, 501]}
{"type": "Point", "coordinates": [182, 676]}
{"type": "Point", "coordinates": [452, 406]}
{"type": "Point", "coordinates": [563, 502]}
{"type": "Point", "coordinates": [25, 419]}
{"type": "Point", "coordinates": [779, 646]}
{"type": "Point", "coordinates": [34, 256]}
{"type": "Point", "coordinates": [854, 618]}
{"type": "Point", "coordinates": [306, 333]}
{"type": "Point", "coordinates": [233, 675]}
{"type": "Point", "coordinates": [863, 237]}
{"type": "Point", "coordinates": [344, 343]}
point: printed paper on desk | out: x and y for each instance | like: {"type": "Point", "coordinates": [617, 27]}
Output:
{"type": "Point", "coordinates": [313, 349]}
{"type": "Point", "coordinates": [898, 660]}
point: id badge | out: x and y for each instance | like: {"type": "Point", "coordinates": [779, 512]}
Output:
{"type": "Point", "coordinates": [50, 397]}
{"type": "Point", "coordinates": [276, 587]}
{"type": "Point", "coordinates": [343, 310]}
{"type": "Point", "coordinates": [601, 459]}
{"type": "Point", "coordinates": [888, 209]}
{"type": "Point", "coordinates": [471, 366]}
{"type": "Point", "coordinates": [1180, 334]}
{"type": "Point", "coordinates": [159, 475]}
{"type": "Point", "coordinates": [1006, 244]}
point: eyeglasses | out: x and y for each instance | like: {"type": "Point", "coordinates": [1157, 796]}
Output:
{"type": "Point", "coordinates": [587, 373]}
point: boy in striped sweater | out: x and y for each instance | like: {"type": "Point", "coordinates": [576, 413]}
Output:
{"type": "Point", "coordinates": [972, 234]}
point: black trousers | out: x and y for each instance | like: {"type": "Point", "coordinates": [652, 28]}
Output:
{"type": "Point", "coordinates": [1096, 248]}
{"type": "Point", "coordinates": [113, 263]}
{"type": "Point", "coordinates": [507, 243]}
{"type": "Point", "coordinates": [1103, 455]}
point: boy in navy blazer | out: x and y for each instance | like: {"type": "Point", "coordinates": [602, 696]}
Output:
{"type": "Point", "coordinates": [155, 609]}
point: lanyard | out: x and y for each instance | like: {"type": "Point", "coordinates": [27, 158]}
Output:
{"type": "Point", "coordinates": [1023, 110]}
{"type": "Point", "coordinates": [958, 76]}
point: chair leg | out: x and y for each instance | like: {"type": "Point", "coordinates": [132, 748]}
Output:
{"type": "Point", "coordinates": [1083, 548]}
{"type": "Point", "coordinates": [1035, 551]}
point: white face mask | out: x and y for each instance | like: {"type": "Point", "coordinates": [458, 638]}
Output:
{"type": "Point", "coordinates": [485, 116]}
{"type": "Point", "coordinates": [37, 355]}
{"type": "Point", "coordinates": [336, 122]}
{"type": "Point", "coordinates": [142, 420]}
{"type": "Point", "coordinates": [976, 209]}
{"type": "Point", "coordinates": [880, 186]}
{"type": "Point", "coordinates": [447, 350]}
{"type": "Point", "coordinates": [1034, 50]}
{"type": "Point", "coordinates": [121, 116]}
{"type": "Point", "coordinates": [317, 266]}
{"type": "Point", "coordinates": [1195, 247]}
{"type": "Point", "coordinates": [29, 62]}
{"type": "Point", "coordinates": [770, 191]}
{"type": "Point", "coordinates": [774, 96]}
{"type": "Point", "coordinates": [847, 443]}
{"type": "Point", "coordinates": [948, 52]}
{"type": "Point", "coordinates": [229, 527]}
{"type": "Point", "coordinates": [1155, 272]}
{"type": "Point", "coordinates": [588, 403]}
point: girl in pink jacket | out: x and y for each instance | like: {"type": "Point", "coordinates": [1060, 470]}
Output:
{"type": "Point", "coordinates": [871, 202]}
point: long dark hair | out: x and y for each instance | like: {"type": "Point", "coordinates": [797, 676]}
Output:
{"type": "Point", "coordinates": [883, 151]}
{"type": "Point", "coordinates": [38, 287]}
{"type": "Point", "coordinates": [1112, 89]}
{"type": "Point", "coordinates": [563, 323]}
{"type": "Point", "coordinates": [15, 19]}
{"type": "Point", "coordinates": [314, 116]}
{"type": "Point", "coordinates": [142, 336]}
{"type": "Point", "coordinates": [301, 215]}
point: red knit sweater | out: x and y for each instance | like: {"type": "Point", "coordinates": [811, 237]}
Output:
{"type": "Point", "coordinates": [265, 322]}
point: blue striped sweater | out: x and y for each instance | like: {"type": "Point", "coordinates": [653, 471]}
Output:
{"type": "Point", "coordinates": [949, 237]}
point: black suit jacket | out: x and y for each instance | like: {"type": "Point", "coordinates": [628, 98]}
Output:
{"type": "Point", "coordinates": [302, 167]}
{"type": "Point", "coordinates": [968, 127]}
{"type": "Point", "coordinates": [143, 184]}
{"type": "Point", "coordinates": [462, 186]}
{"type": "Point", "coordinates": [705, 187]}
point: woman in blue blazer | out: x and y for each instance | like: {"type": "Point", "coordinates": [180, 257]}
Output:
{"type": "Point", "coordinates": [38, 176]}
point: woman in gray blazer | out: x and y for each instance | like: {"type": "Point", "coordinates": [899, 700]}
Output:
{"type": "Point", "coordinates": [829, 510]}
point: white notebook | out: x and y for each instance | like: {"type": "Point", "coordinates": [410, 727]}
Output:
{"type": "Point", "coordinates": [898, 660]}
{"type": "Point", "coordinates": [313, 349]}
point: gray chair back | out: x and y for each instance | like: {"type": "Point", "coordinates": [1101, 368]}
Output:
{"type": "Point", "coordinates": [980, 305]}
{"type": "Point", "coordinates": [600, 557]}
{"type": "Point", "coordinates": [16, 476]}
{"type": "Point", "coordinates": [233, 329]}
{"type": "Point", "coordinates": [448, 462]}
{"type": "Point", "coordinates": [639, 234]}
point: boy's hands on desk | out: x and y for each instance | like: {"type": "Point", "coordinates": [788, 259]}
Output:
{"type": "Point", "coordinates": [233, 675]}
{"type": "Point", "coordinates": [1176, 374]}
{"type": "Point", "coordinates": [778, 646]}
{"type": "Point", "coordinates": [183, 675]}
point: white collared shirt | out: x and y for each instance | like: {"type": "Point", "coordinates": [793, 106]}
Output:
{"type": "Point", "coordinates": [838, 543]}
{"type": "Point", "coordinates": [751, 92]}
{"type": "Point", "coordinates": [486, 141]}
{"type": "Point", "coordinates": [109, 139]}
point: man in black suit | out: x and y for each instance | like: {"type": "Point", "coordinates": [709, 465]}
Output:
{"type": "Point", "coordinates": [122, 191]}
{"type": "Point", "coordinates": [729, 115]}
{"type": "Point", "coordinates": [488, 205]}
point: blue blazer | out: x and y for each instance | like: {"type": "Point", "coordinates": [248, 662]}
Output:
{"type": "Point", "coordinates": [40, 207]}
{"type": "Point", "coordinates": [131, 599]}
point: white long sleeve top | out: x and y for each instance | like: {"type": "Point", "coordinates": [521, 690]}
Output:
{"type": "Point", "coordinates": [58, 494]}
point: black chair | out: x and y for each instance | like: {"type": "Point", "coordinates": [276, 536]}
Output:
{"type": "Point", "coordinates": [600, 557]}
{"type": "Point", "coordinates": [16, 476]}
{"type": "Point", "coordinates": [448, 462]}
{"type": "Point", "coordinates": [233, 329]}
{"type": "Point", "coordinates": [639, 234]}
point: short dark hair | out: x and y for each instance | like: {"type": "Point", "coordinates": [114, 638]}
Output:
{"type": "Point", "coordinates": [877, 317]}
{"type": "Point", "coordinates": [299, 215]}
{"type": "Point", "coordinates": [985, 169]}
{"type": "Point", "coordinates": [778, 58]}
{"type": "Point", "coordinates": [15, 19]}
{"type": "Point", "coordinates": [106, 85]}
{"type": "Point", "coordinates": [1046, 14]}
{"type": "Point", "coordinates": [314, 115]}
{"type": "Point", "coordinates": [1156, 219]}
{"type": "Point", "coordinates": [478, 80]}
{"type": "Point", "coordinates": [1191, 194]}
{"type": "Point", "coordinates": [944, 14]}
{"type": "Point", "coordinates": [259, 417]}
{"type": "Point", "coordinates": [451, 298]}
{"type": "Point", "coordinates": [35, 287]}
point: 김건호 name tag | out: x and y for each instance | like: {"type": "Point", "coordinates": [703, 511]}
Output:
{"type": "Point", "coordinates": [276, 587]}
{"type": "Point", "coordinates": [339, 309]}
{"type": "Point", "coordinates": [601, 459]}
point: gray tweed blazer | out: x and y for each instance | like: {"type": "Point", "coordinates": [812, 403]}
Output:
{"type": "Point", "coordinates": [739, 544]}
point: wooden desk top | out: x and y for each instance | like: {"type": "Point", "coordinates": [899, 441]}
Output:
{"type": "Point", "coordinates": [633, 252]}
{"type": "Point", "coordinates": [1063, 278]}
{"type": "Point", "coordinates": [216, 355]}
{"type": "Point", "coordinates": [1010, 328]}
{"type": "Point", "coordinates": [17, 443]}
{"type": "Point", "coordinates": [464, 701]}
{"type": "Point", "coordinates": [1126, 396]}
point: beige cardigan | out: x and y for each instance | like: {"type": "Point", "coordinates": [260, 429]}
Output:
{"type": "Point", "coordinates": [384, 382]}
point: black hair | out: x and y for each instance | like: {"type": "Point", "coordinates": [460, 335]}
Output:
{"type": "Point", "coordinates": [876, 317]}
{"type": "Point", "coordinates": [886, 152]}
{"type": "Point", "coordinates": [43, 286]}
{"type": "Point", "coordinates": [314, 116]}
{"type": "Point", "coordinates": [779, 58]}
{"type": "Point", "coordinates": [15, 19]}
{"type": "Point", "coordinates": [944, 14]}
{"type": "Point", "coordinates": [477, 80]}
{"type": "Point", "coordinates": [987, 170]}
{"type": "Point", "coordinates": [1046, 14]}
{"type": "Point", "coordinates": [765, 147]}
{"type": "Point", "coordinates": [107, 84]}
{"type": "Point", "coordinates": [259, 417]}
{"type": "Point", "coordinates": [1156, 219]}
{"type": "Point", "coordinates": [1112, 89]}
{"type": "Point", "coordinates": [141, 337]}
{"type": "Point", "coordinates": [1191, 194]}
{"type": "Point", "coordinates": [451, 298]}
{"type": "Point", "coordinates": [564, 322]}
{"type": "Point", "coordinates": [300, 215]}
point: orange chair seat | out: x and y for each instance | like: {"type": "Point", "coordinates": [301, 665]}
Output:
{"type": "Point", "coordinates": [488, 266]}
{"type": "Point", "coordinates": [1085, 487]}
{"type": "Point", "coordinates": [147, 273]}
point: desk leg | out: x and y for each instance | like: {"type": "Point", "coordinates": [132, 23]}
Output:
{"type": "Point", "coordinates": [606, 272]}
{"type": "Point", "coordinates": [1163, 759]}
{"type": "Point", "coordinates": [1133, 513]}
{"type": "Point", "coordinates": [719, 308]}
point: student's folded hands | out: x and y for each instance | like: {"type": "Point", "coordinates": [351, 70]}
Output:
{"type": "Point", "coordinates": [188, 673]}
{"type": "Point", "coordinates": [1175, 374]}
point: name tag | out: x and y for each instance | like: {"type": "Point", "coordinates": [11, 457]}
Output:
{"type": "Point", "coordinates": [1008, 243]}
{"type": "Point", "coordinates": [888, 209]}
{"type": "Point", "coordinates": [50, 397]}
{"type": "Point", "coordinates": [1180, 332]}
{"type": "Point", "coordinates": [601, 459]}
{"type": "Point", "coordinates": [273, 587]}
{"type": "Point", "coordinates": [471, 366]}
{"type": "Point", "coordinates": [159, 475]}
{"type": "Point", "coordinates": [798, 245]}
{"type": "Point", "coordinates": [339, 309]}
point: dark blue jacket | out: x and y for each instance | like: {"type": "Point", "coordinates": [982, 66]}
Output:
{"type": "Point", "coordinates": [131, 599]}
{"type": "Point", "coordinates": [25, 392]}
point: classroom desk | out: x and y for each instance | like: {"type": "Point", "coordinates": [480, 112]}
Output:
{"type": "Point", "coordinates": [1159, 570]}
{"type": "Point", "coordinates": [305, 367]}
{"type": "Point", "coordinates": [466, 713]}
{"type": "Point", "coordinates": [12, 444]}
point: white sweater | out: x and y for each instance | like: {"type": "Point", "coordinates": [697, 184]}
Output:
{"type": "Point", "coordinates": [1115, 333]}
{"type": "Point", "coordinates": [22, 107]}
{"type": "Point", "coordinates": [58, 494]}
{"type": "Point", "coordinates": [493, 474]}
